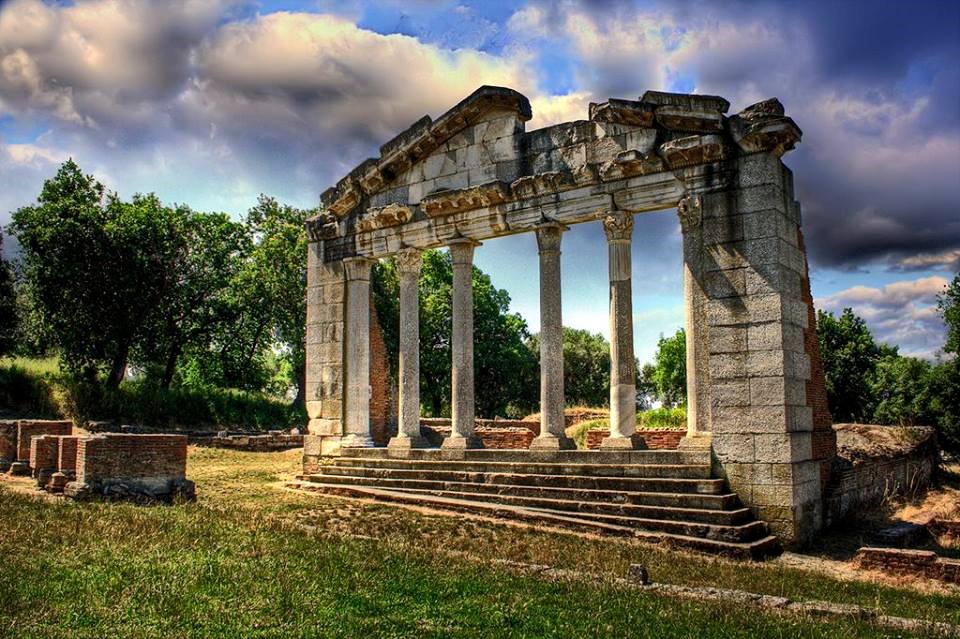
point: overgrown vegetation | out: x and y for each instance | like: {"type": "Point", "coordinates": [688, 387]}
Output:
{"type": "Point", "coordinates": [663, 417]}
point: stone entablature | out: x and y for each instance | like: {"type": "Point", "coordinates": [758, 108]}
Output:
{"type": "Point", "coordinates": [476, 173]}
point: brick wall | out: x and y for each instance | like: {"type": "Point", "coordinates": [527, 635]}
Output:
{"type": "Point", "coordinates": [383, 407]}
{"type": "Point", "coordinates": [823, 438]}
{"type": "Point", "coordinates": [498, 434]}
{"type": "Point", "coordinates": [44, 454]}
{"type": "Point", "coordinates": [250, 443]}
{"type": "Point", "coordinates": [920, 563]}
{"type": "Point", "coordinates": [8, 443]}
{"type": "Point", "coordinates": [655, 438]}
{"type": "Point", "coordinates": [27, 428]}
{"type": "Point", "coordinates": [114, 456]}
{"type": "Point", "coordinates": [67, 455]}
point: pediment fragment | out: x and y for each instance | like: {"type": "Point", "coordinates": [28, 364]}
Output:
{"type": "Point", "coordinates": [456, 200]}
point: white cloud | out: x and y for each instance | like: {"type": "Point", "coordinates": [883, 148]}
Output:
{"type": "Point", "coordinates": [901, 313]}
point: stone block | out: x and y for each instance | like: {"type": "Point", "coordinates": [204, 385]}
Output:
{"type": "Point", "coordinates": [765, 363]}
{"type": "Point", "coordinates": [777, 391]}
{"type": "Point", "coordinates": [734, 448]}
{"type": "Point", "coordinates": [727, 339]}
{"type": "Point", "coordinates": [783, 447]}
{"type": "Point", "coordinates": [765, 197]}
{"type": "Point", "coordinates": [719, 230]}
{"type": "Point", "coordinates": [797, 365]}
{"type": "Point", "coordinates": [728, 366]}
{"type": "Point", "coordinates": [722, 284]}
{"type": "Point", "coordinates": [730, 392]}
{"type": "Point", "coordinates": [759, 169]}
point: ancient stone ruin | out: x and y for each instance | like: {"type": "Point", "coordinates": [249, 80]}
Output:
{"type": "Point", "coordinates": [758, 441]}
{"type": "Point", "coordinates": [108, 465]}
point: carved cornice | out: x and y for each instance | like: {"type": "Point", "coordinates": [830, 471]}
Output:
{"type": "Point", "coordinates": [322, 227]}
{"type": "Point", "coordinates": [456, 200]}
{"type": "Point", "coordinates": [764, 127]}
{"type": "Point", "coordinates": [629, 164]}
{"type": "Point", "coordinates": [409, 261]}
{"type": "Point", "coordinates": [385, 216]}
{"type": "Point", "coordinates": [618, 225]}
{"type": "Point", "coordinates": [690, 212]}
{"type": "Point", "coordinates": [694, 149]}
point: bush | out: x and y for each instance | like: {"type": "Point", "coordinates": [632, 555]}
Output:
{"type": "Point", "coordinates": [650, 419]}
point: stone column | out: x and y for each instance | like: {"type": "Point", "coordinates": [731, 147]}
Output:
{"type": "Point", "coordinates": [618, 226]}
{"type": "Point", "coordinates": [552, 434]}
{"type": "Point", "coordinates": [408, 435]}
{"type": "Point", "coordinates": [357, 360]}
{"type": "Point", "coordinates": [462, 405]}
{"type": "Point", "coordinates": [690, 213]}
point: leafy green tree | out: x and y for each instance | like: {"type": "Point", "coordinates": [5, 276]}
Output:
{"type": "Point", "coordinates": [900, 390]}
{"type": "Point", "coordinates": [95, 266]}
{"type": "Point", "coordinates": [505, 370]}
{"type": "Point", "coordinates": [198, 301]}
{"type": "Point", "coordinates": [850, 356]}
{"type": "Point", "coordinates": [8, 307]}
{"type": "Point", "coordinates": [948, 303]}
{"type": "Point", "coordinates": [669, 374]}
{"type": "Point", "coordinates": [586, 366]}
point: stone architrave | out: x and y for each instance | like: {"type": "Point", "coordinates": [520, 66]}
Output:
{"type": "Point", "coordinates": [357, 423]}
{"type": "Point", "coordinates": [618, 226]}
{"type": "Point", "coordinates": [463, 413]}
{"type": "Point", "coordinates": [690, 214]}
{"type": "Point", "coordinates": [408, 436]}
{"type": "Point", "coordinates": [552, 434]}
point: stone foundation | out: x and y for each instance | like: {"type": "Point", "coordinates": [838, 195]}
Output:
{"type": "Point", "coordinates": [275, 440]}
{"type": "Point", "coordinates": [8, 443]}
{"type": "Point", "coordinates": [917, 563]}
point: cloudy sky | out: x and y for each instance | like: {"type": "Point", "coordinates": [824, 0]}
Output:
{"type": "Point", "coordinates": [211, 102]}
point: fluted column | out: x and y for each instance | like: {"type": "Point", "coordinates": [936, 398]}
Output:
{"type": "Point", "coordinates": [552, 434]}
{"type": "Point", "coordinates": [408, 433]}
{"type": "Point", "coordinates": [462, 404]}
{"type": "Point", "coordinates": [690, 213]}
{"type": "Point", "coordinates": [618, 226]}
{"type": "Point", "coordinates": [357, 361]}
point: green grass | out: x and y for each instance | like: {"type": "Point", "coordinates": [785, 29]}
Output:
{"type": "Point", "coordinates": [95, 570]}
{"type": "Point", "coordinates": [653, 418]}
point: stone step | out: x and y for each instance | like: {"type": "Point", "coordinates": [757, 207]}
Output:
{"type": "Point", "coordinates": [659, 471]}
{"type": "Point", "coordinates": [636, 484]}
{"type": "Point", "coordinates": [727, 501]}
{"type": "Point", "coordinates": [613, 457]}
{"type": "Point", "coordinates": [760, 547]}
{"type": "Point", "coordinates": [710, 518]}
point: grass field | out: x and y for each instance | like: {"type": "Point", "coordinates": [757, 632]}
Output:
{"type": "Point", "coordinates": [250, 559]}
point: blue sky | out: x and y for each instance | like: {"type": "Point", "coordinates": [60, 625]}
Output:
{"type": "Point", "coordinates": [212, 102]}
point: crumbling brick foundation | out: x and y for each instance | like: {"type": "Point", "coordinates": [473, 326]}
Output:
{"type": "Point", "coordinates": [654, 438]}
{"type": "Point", "coordinates": [8, 443]}
{"type": "Point", "coordinates": [27, 428]}
{"type": "Point", "coordinates": [44, 456]}
{"type": "Point", "coordinates": [128, 466]}
{"type": "Point", "coordinates": [918, 563]}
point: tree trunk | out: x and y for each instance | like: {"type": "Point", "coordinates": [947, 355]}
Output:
{"type": "Point", "coordinates": [171, 367]}
{"type": "Point", "coordinates": [118, 367]}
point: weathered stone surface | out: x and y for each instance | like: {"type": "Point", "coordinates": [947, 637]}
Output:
{"type": "Point", "coordinates": [631, 112]}
{"type": "Point", "coordinates": [384, 216]}
{"type": "Point", "coordinates": [456, 200]}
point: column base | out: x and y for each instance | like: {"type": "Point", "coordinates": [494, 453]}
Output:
{"type": "Point", "coordinates": [404, 442]}
{"type": "Point", "coordinates": [552, 442]}
{"type": "Point", "coordinates": [697, 441]}
{"type": "Point", "coordinates": [356, 441]}
{"type": "Point", "coordinates": [20, 468]}
{"type": "Point", "coordinates": [455, 442]}
{"type": "Point", "coordinates": [633, 442]}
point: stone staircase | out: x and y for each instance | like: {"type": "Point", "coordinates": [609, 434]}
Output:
{"type": "Point", "coordinates": [664, 496]}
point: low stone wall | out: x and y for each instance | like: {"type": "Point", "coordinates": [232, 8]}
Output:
{"type": "Point", "coordinates": [274, 440]}
{"type": "Point", "coordinates": [494, 433]}
{"type": "Point", "coordinates": [655, 438]}
{"type": "Point", "coordinates": [919, 563]}
{"type": "Point", "coordinates": [139, 467]}
{"type": "Point", "coordinates": [864, 477]}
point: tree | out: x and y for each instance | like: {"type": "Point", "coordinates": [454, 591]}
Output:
{"type": "Point", "coordinates": [850, 356]}
{"type": "Point", "coordinates": [198, 301]}
{"type": "Point", "coordinates": [948, 303]}
{"type": "Point", "coordinates": [900, 390]}
{"type": "Point", "coordinates": [669, 374]}
{"type": "Point", "coordinates": [586, 366]}
{"type": "Point", "coordinates": [8, 307]}
{"type": "Point", "coordinates": [505, 370]}
{"type": "Point", "coordinates": [95, 266]}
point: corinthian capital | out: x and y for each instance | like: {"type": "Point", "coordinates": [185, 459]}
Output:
{"type": "Point", "coordinates": [690, 212]}
{"type": "Point", "coordinates": [618, 225]}
{"type": "Point", "coordinates": [409, 260]}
